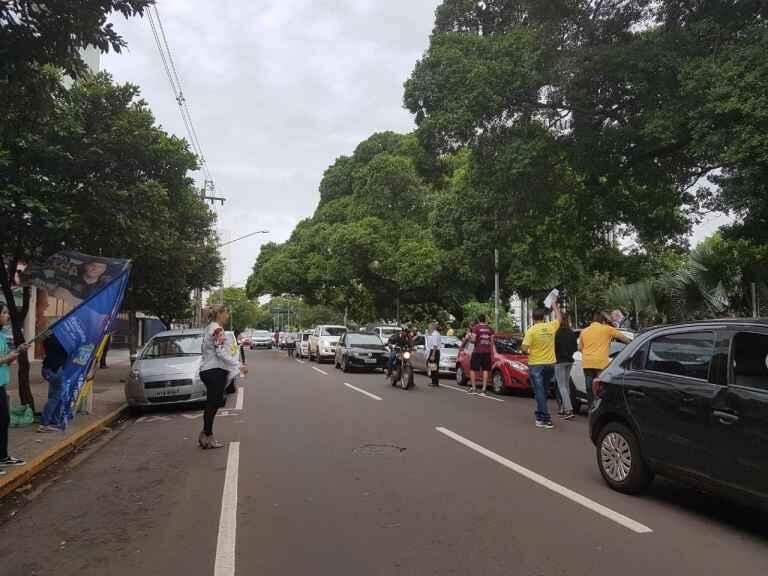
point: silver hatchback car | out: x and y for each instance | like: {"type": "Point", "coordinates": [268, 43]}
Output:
{"type": "Point", "coordinates": [167, 370]}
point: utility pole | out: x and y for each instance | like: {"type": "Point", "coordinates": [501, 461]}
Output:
{"type": "Point", "coordinates": [496, 288]}
{"type": "Point", "coordinates": [755, 307]}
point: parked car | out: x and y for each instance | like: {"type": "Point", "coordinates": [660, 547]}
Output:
{"type": "Point", "coordinates": [509, 366]}
{"type": "Point", "coordinates": [449, 352]}
{"type": "Point", "coordinates": [166, 371]}
{"type": "Point", "coordinates": [384, 332]}
{"type": "Point", "coordinates": [261, 339]}
{"type": "Point", "coordinates": [322, 342]}
{"type": "Point", "coordinates": [577, 384]}
{"type": "Point", "coordinates": [360, 352]}
{"type": "Point", "coordinates": [303, 346]}
{"type": "Point", "coordinates": [688, 401]}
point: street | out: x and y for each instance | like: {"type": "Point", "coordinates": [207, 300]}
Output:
{"type": "Point", "coordinates": [340, 474]}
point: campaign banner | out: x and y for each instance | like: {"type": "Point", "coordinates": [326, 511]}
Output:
{"type": "Point", "coordinates": [73, 277]}
{"type": "Point", "coordinates": [79, 336]}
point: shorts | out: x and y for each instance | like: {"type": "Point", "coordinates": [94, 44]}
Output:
{"type": "Point", "coordinates": [480, 362]}
{"type": "Point", "coordinates": [215, 380]}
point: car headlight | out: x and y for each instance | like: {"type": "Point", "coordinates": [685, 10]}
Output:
{"type": "Point", "coordinates": [407, 355]}
{"type": "Point", "coordinates": [517, 365]}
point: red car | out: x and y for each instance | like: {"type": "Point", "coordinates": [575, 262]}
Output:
{"type": "Point", "coordinates": [509, 365]}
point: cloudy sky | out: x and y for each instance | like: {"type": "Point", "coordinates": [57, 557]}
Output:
{"type": "Point", "coordinates": [277, 89]}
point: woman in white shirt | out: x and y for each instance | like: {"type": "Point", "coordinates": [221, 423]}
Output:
{"type": "Point", "coordinates": [215, 369]}
{"type": "Point", "coordinates": [433, 344]}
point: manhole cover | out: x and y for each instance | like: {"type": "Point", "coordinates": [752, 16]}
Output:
{"type": "Point", "coordinates": [378, 449]}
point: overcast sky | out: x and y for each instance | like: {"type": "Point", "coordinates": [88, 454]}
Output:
{"type": "Point", "coordinates": [278, 89]}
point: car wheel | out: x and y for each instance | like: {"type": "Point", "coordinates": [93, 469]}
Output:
{"type": "Point", "coordinates": [575, 400]}
{"type": "Point", "coordinates": [620, 460]}
{"type": "Point", "coordinates": [498, 383]}
{"type": "Point", "coordinates": [461, 378]}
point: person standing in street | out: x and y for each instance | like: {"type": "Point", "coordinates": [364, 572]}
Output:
{"type": "Point", "coordinates": [433, 343]}
{"type": "Point", "coordinates": [215, 368]}
{"type": "Point", "coordinates": [539, 344]}
{"type": "Point", "coordinates": [595, 346]}
{"type": "Point", "coordinates": [6, 359]}
{"type": "Point", "coordinates": [566, 345]}
{"type": "Point", "coordinates": [482, 336]}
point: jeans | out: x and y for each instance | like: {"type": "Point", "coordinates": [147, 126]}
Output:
{"type": "Point", "coordinates": [563, 376]}
{"type": "Point", "coordinates": [51, 415]}
{"type": "Point", "coordinates": [5, 421]}
{"type": "Point", "coordinates": [539, 375]}
{"type": "Point", "coordinates": [589, 375]}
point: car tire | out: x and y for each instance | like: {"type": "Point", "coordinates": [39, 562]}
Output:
{"type": "Point", "coordinates": [461, 378]}
{"type": "Point", "coordinates": [575, 400]}
{"type": "Point", "coordinates": [497, 383]}
{"type": "Point", "coordinates": [620, 460]}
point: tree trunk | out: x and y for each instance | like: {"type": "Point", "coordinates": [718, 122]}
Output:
{"type": "Point", "coordinates": [132, 333]}
{"type": "Point", "coordinates": [17, 326]}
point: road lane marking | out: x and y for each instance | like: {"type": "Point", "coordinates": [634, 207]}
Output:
{"type": "Point", "coordinates": [240, 399]}
{"type": "Point", "coordinates": [192, 416]}
{"type": "Point", "coordinates": [362, 391]}
{"type": "Point", "coordinates": [316, 369]}
{"type": "Point", "coordinates": [465, 392]}
{"type": "Point", "coordinates": [225, 543]}
{"type": "Point", "coordinates": [300, 361]}
{"type": "Point", "coordinates": [549, 484]}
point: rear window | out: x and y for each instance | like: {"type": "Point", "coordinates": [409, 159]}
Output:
{"type": "Point", "coordinates": [687, 354]}
{"type": "Point", "coordinates": [750, 360]}
{"type": "Point", "coordinates": [174, 346]}
{"type": "Point", "coordinates": [332, 331]}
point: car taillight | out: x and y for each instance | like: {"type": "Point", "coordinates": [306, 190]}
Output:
{"type": "Point", "coordinates": [597, 387]}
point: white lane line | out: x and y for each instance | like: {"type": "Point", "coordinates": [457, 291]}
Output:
{"type": "Point", "coordinates": [323, 372]}
{"type": "Point", "coordinates": [362, 391]}
{"type": "Point", "coordinates": [299, 361]}
{"type": "Point", "coordinates": [463, 391]}
{"type": "Point", "coordinates": [225, 544]}
{"type": "Point", "coordinates": [549, 484]}
{"type": "Point", "coordinates": [240, 398]}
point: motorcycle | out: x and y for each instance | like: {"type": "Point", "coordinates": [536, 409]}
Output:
{"type": "Point", "coordinates": [401, 374]}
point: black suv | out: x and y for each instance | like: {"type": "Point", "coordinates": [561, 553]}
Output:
{"type": "Point", "coordinates": [688, 401]}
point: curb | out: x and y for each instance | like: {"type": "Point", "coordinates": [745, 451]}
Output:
{"type": "Point", "coordinates": [20, 476]}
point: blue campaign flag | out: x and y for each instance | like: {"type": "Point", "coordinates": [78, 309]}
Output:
{"type": "Point", "coordinates": [79, 334]}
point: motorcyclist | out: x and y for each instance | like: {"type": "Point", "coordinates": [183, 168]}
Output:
{"type": "Point", "coordinates": [402, 340]}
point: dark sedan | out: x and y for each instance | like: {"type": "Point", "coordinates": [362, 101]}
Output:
{"type": "Point", "coordinates": [361, 352]}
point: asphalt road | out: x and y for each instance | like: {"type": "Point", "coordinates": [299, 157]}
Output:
{"type": "Point", "coordinates": [321, 477]}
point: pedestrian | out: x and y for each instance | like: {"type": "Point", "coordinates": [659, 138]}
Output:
{"type": "Point", "coordinates": [7, 358]}
{"type": "Point", "coordinates": [539, 344]}
{"type": "Point", "coordinates": [595, 347]}
{"type": "Point", "coordinates": [566, 345]}
{"type": "Point", "coordinates": [433, 343]}
{"type": "Point", "coordinates": [482, 337]}
{"type": "Point", "coordinates": [216, 366]}
{"type": "Point", "coordinates": [52, 372]}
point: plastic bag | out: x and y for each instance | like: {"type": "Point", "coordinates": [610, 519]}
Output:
{"type": "Point", "coordinates": [22, 416]}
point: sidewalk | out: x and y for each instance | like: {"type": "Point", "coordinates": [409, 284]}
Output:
{"type": "Point", "coordinates": [41, 450]}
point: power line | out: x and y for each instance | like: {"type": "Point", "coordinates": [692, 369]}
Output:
{"type": "Point", "coordinates": [161, 41]}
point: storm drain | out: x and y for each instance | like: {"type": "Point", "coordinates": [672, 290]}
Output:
{"type": "Point", "coordinates": [378, 449]}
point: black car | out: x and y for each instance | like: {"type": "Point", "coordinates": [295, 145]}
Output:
{"type": "Point", "coordinates": [688, 401]}
{"type": "Point", "coordinates": [360, 351]}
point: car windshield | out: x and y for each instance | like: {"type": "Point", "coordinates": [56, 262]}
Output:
{"type": "Point", "coordinates": [507, 346]}
{"type": "Point", "coordinates": [174, 346]}
{"type": "Point", "coordinates": [305, 337]}
{"type": "Point", "coordinates": [262, 334]}
{"type": "Point", "coordinates": [333, 331]}
{"type": "Point", "coordinates": [387, 332]}
{"type": "Point", "coordinates": [451, 342]}
{"type": "Point", "coordinates": [363, 340]}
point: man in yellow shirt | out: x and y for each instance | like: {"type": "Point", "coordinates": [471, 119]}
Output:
{"type": "Point", "coordinates": [595, 345]}
{"type": "Point", "coordinates": [539, 344]}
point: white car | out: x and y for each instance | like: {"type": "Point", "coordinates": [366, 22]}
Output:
{"type": "Point", "coordinates": [302, 350]}
{"type": "Point", "coordinates": [578, 386]}
{"type": "Point", "coordinates": [323, 341]}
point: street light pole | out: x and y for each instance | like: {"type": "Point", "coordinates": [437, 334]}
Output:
{"type": "Point", "coordinates": [496, 288]}
{"type": "Point", "coordinates": [221, 245]}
